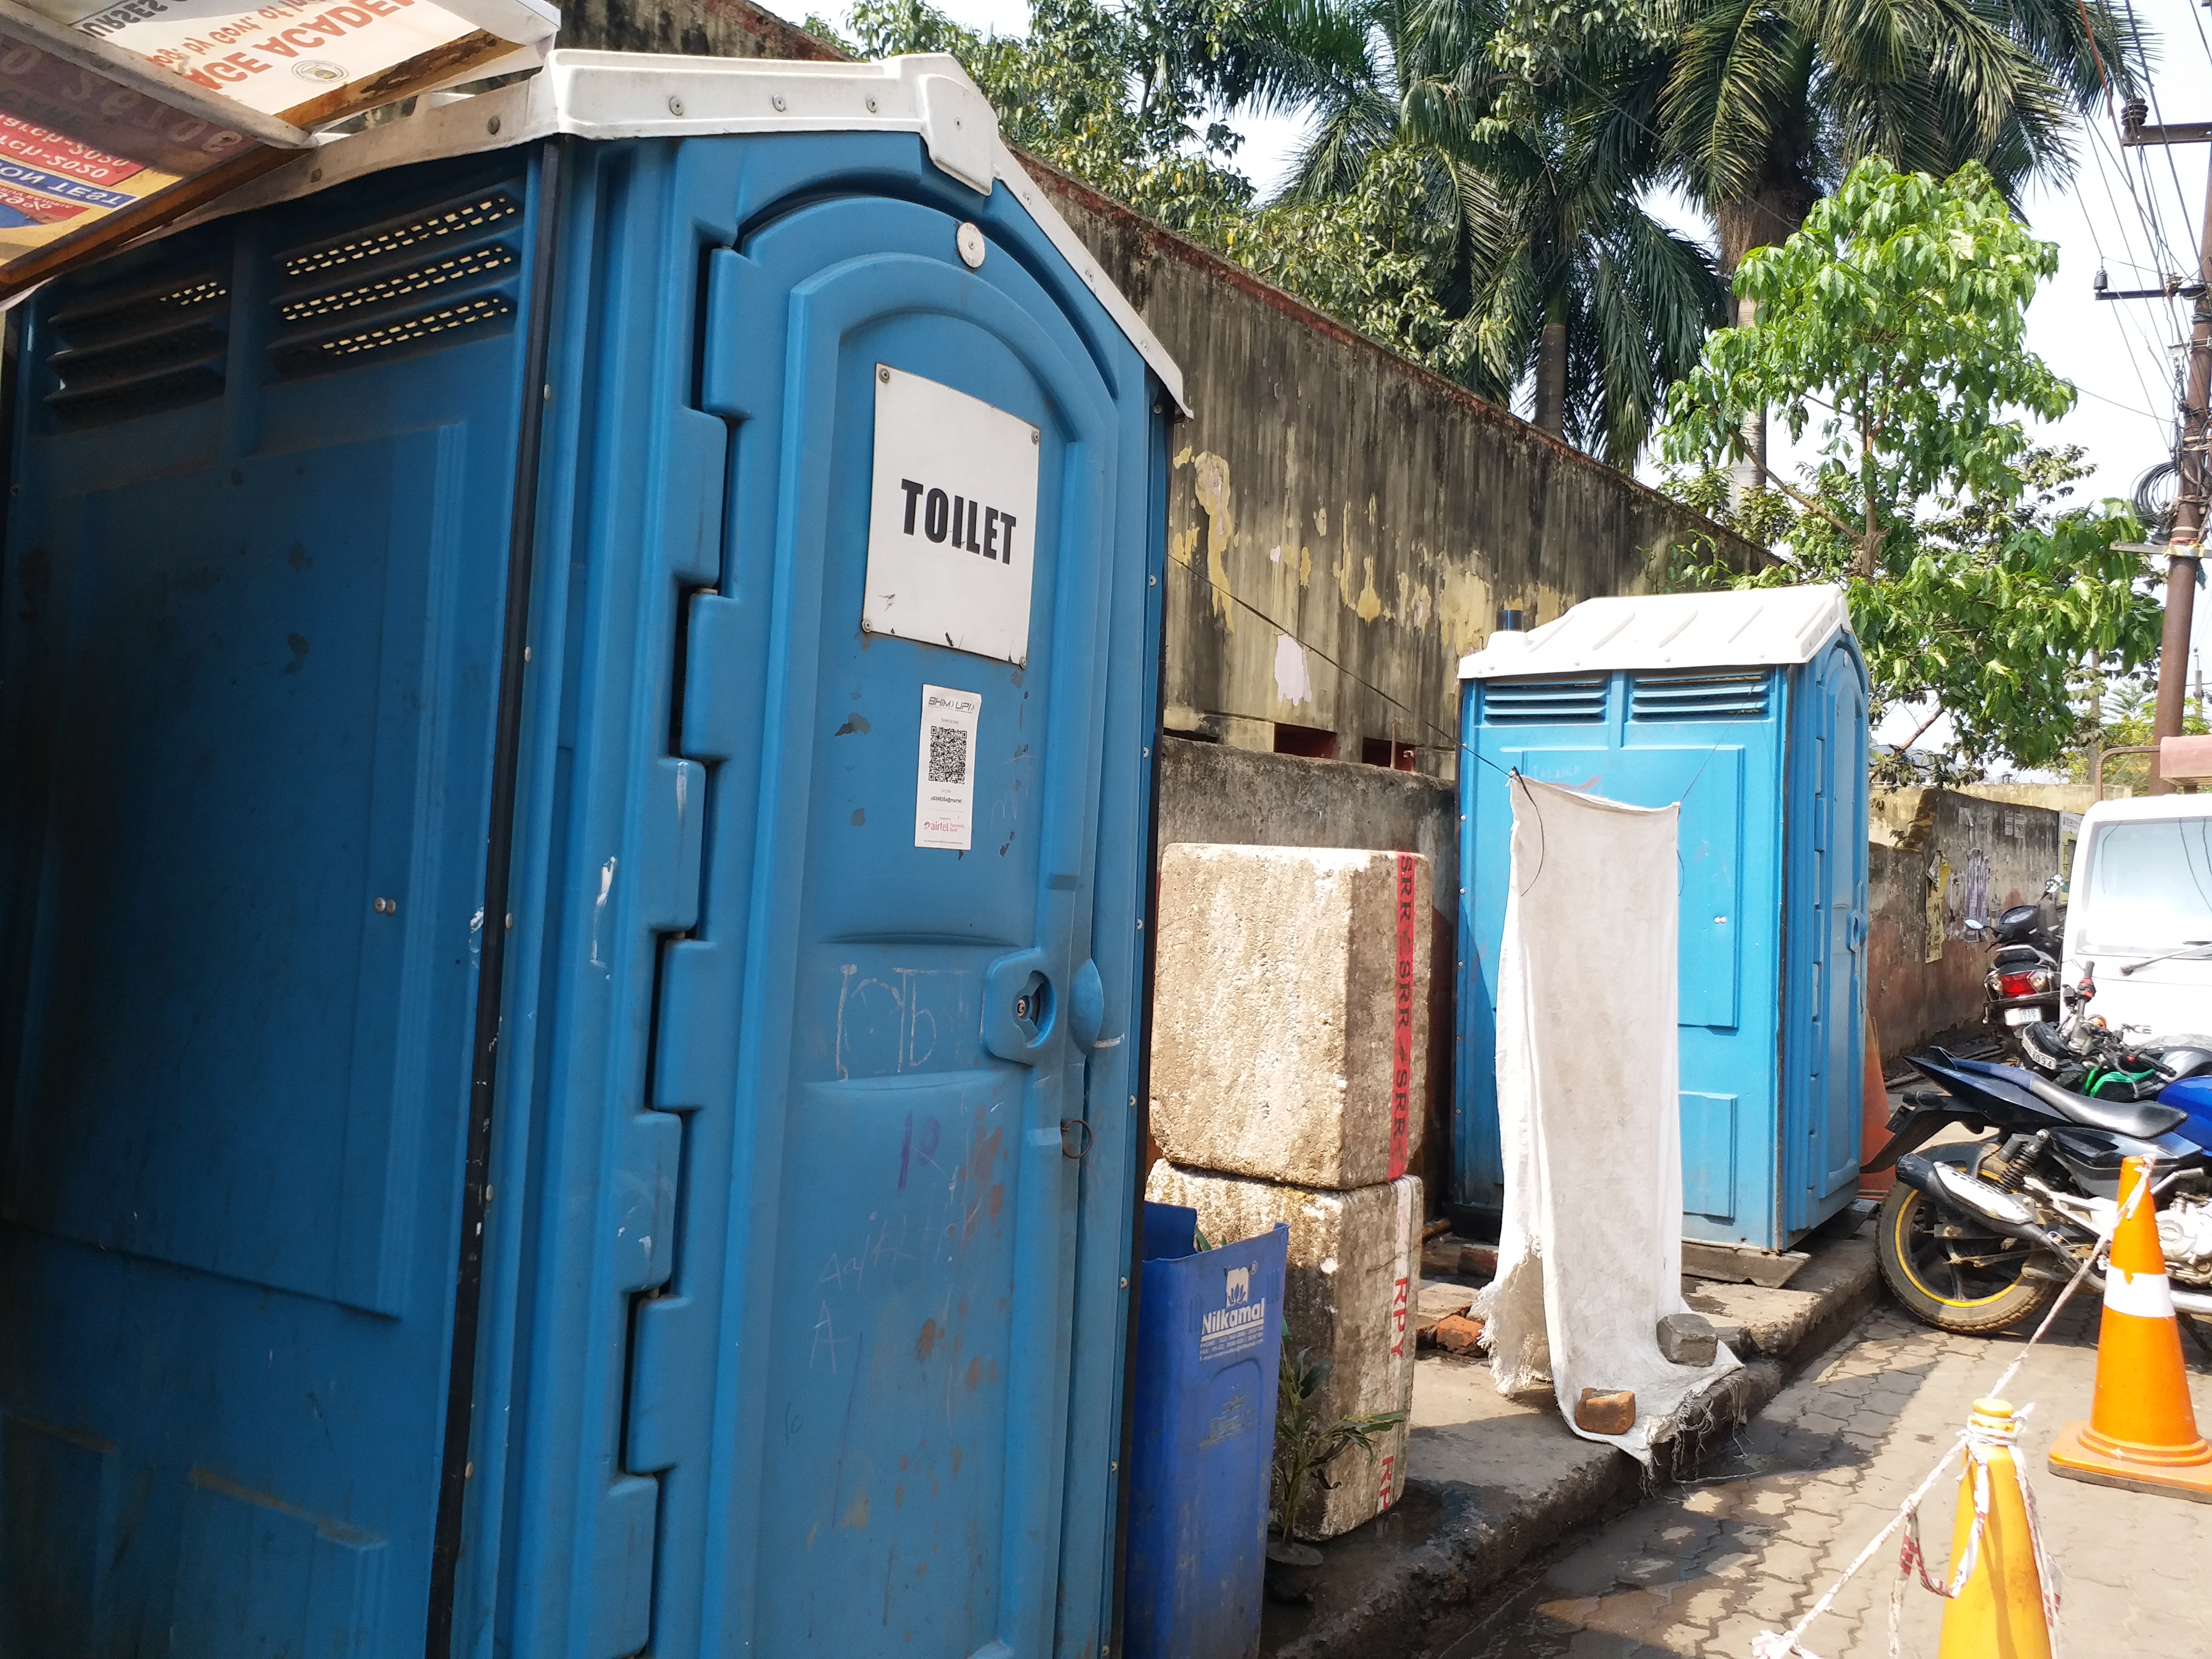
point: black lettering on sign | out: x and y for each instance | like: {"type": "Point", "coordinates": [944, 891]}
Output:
{"type": "Point", "coordinates": [969, 523]}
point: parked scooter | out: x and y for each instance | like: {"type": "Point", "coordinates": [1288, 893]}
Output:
{"type": "Point", "coordinates": [1978, 1235]}
{"type": "Point", "coordinates": [2021, 986]}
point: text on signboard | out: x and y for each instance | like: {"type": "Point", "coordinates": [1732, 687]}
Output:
{"type": "Point", "coordinates": [954, 518]}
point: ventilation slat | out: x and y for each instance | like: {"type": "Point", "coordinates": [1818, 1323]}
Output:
{"type": "Point", "coordinates": [151, 347]}
{"type": "Point", "coordinates": [466, 219]}
{"type": "Point", "coordinates": [414, 282]}
{"type": "Point", "coordinates": [304, 357]}
{"type": "Point", "coordinates": [1698, 697]}
{"type": "Point", "coordinates": [1543, 702]}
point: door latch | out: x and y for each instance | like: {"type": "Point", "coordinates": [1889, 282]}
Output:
{"type": "Point", "coordinates": [1018, 1006]}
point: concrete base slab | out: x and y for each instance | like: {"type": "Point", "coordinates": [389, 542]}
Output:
{"type": "Point", "coordinates": [1496, 1481]}
{"type": "Point", "coordinates": [1731, 1264]}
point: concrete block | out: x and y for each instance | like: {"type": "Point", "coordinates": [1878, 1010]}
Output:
{"type": "Point", "coordinates": [1687, 1339]}
{"type": "Point", "coordinates": [1290, 1012]}
{"type": "Point", "coordinates": [1353, 1282]}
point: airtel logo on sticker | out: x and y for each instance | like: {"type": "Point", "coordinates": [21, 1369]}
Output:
{"type": "Point", "coordinates": [953, 518]}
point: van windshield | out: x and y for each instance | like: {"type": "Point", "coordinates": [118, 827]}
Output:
{"type": "Point", "coordinates": [2150, 886]}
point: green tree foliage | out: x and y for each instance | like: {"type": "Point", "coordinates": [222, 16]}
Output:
{"type": "Point", "coordinates": [1900, 311]}
{"type": "Point", "coordinates": [1766, 104]}
{"type": "Point", "coordinates": [1117, 96]}
{"type": "Point", "coordinates": [2127, 706]}
{"type": "Point", "coordinates": [1436, 210]}
{"type": "Point", "coordinates": [1530, 213]}
{"type": "Point", "coordinates": [1120, 96]}
{"type": "Point", "coordinates": [1769, 102]}
{"type": "Point", "coordinates": [1896, 320]}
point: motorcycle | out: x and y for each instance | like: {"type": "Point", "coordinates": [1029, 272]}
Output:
{"type": "Point", "coordinates": [1978, 1235]}
{"type": "Point", "coordinates": [2021, 986]}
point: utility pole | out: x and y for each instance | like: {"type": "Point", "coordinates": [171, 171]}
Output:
{"type": "Point", "coordinates": [2192, 465]}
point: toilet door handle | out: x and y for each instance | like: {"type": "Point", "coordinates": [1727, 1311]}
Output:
{"type": "Point", "coordinates": [1020, 1006]}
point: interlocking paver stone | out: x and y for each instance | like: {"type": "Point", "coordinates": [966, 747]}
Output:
{"type": "Point", "coordinates": [1699, 1569]}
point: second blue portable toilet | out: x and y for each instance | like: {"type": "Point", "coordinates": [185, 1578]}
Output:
{"type": "Point", "coordinates": [576, 703]}
{"type": "Point", "coordinates": [1748, 708]}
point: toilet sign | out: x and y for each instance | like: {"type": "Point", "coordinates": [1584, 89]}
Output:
{"type": "Point", "coordinates": [953, 512]}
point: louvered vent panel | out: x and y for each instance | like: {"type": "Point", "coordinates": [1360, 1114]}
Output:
{"type": "Point", "coordinates": [1543, 702]}
{"type": "Point", "coordinates": [437, 276]}
{"type": "Point", "coordinates": [1697, 697]}
{"type": "Point", "coordinates": [132, 352]}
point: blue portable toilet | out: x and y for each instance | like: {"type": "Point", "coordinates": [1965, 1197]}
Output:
{"type": "Point", "coordinates": [1749, 709]}
{"type": "Point", "coordinates": [579, 681]}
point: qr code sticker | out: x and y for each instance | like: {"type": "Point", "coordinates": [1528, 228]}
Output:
{"type": "Point", "coordinates": [948, 754]}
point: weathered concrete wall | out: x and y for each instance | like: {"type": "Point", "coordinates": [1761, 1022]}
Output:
{"type": "Point", "coordinates": [702, 28]}
{"type": "Point", "coordinates": [2058, 797]}
{"type": "Point", "coordinates": [1937, 857]}
{"type": "Point", "coordinates": [1209, 791]}
{"type": "Point", "coordinates": [1343, 525]}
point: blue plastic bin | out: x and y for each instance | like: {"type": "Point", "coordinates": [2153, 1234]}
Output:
{"type": "Point", "coordinates": [1209, 1341]}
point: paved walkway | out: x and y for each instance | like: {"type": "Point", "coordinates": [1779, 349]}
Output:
{"type": "Point", "coordinates": [1700, 1569]}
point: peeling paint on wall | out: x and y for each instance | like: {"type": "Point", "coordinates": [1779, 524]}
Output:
{"type": "Point", "coordinates": [1297, 425]}
{"type": "Point", "coordinates": [1210, 481]}
{"type": "Point", "coordinates": [1293, 682]}
{"type": "Point", "coordinates": [1371, 602]}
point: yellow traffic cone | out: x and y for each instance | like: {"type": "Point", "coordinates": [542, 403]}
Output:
{"type": "Point", "coordinates": [1998, 1612]}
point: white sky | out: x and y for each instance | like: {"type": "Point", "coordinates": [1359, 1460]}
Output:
{"type": "Point", "coordinates": [2134, 213]}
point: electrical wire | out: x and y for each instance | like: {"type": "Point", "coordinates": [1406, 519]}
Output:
{"type": "Point", "coordinates": [2125, 317]}
{"type": "Point", "coordinates": [2119, 316]}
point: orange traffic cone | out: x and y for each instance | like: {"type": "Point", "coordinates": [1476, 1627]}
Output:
{"type": "Point", "coordinates": [2141, 1432]}
{"type": "Point", "coordinates": [1998, 1612]}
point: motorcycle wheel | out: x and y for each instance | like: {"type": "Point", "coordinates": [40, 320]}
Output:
{"type": "Point", "coordinates": [1949, 1274]}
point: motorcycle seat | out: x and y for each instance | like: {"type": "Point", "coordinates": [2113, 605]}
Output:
{"type": "Point", "coordinates": [2143, 1120]}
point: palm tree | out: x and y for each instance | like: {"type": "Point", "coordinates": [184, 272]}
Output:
{"type": "Point", "coordinates": [1764, 105]}
{"type": "Point", "coordinates": [1551, 254]}
{"type": "Point", "coordinates": [1577, 284]}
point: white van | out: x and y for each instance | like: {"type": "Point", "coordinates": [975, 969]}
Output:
{"type": "Point", "coordinates": [2139, 913]}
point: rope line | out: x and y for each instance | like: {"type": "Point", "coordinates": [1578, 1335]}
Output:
{"type": "Point", "coordinates": [1976, 1443]}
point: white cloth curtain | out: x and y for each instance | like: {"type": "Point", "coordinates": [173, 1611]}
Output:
{"type": "Point", "coordinates": [1590, 1250]}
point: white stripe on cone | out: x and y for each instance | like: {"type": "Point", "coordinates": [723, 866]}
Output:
{"type": "Point", "coordinates": [2146, 1296]}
